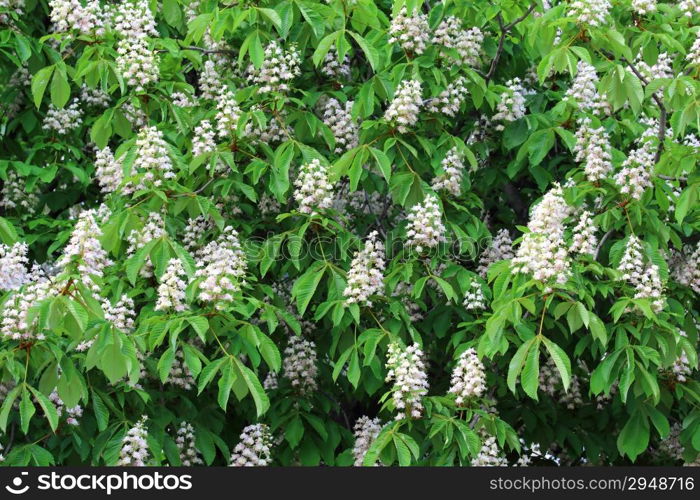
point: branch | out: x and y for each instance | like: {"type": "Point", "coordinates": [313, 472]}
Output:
{"type": "Point", "coordinates": [669, 178]}
{"type": "Point", "coordinates": [662, 111]}
{"type": "Point", "coordinates": [602, 242]}
{"type": "Point", "coordinates": [210, 51]}
{"type": "Point", "coordinates": [505, 29]}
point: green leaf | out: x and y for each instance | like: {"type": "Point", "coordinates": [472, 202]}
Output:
{"type": "Point", "coordinates": [101, 412]}
{"type": "Point", "coordinates": [294, 431]}
{"type": "Point", "coordinates": [561, 360]}
{"type": "Point", "coordinates": [323, 47]}
{"type": "Point", "coordinates": [634, 437]}
{"type": "Point", "coordinates": [48, 407]}
{"type": "Point", "coordinates": [60, 89]}
{"type": "Point", "coordinates": [383, 162]}
{"type": "Point", "coordinates": [7, 405]}
{"type": "Point", "coordinates": [262, 402]}
{"type": "Point", "coordinates": [530, 376]}
{"type": "Point", "coordinates": [39, 82]}
{"type": "Point", "coordinates": [370, 52]}
{"type": "Point", "coordinates": [517, 362]}
{"type": "Point", "coordinates": [305, 287]}
{"type": "Point", "coordinates": [26, 410]}
{"type": "Point", "coordinates": [225, 384]}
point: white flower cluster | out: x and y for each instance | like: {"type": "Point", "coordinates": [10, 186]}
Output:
{"type": "Point", "coordinates": [584, 92]}
{"type": "Point", "coordinates": [474, 299]}
{"type": "Point", "coordinates": [593, 149]}
{"type": "Point", "coordinates": [339, 119]}
{"type": "Point", "coordinates": [366, 431]}
{"type": "Point", "coordinates": [69, 15]}
{"type": "Point", "coordinates": [203, 141]}
{"type": "Point", "coordinates": [221, 265]}
{"type": "Point", "coordinates": [643, 7]}
{"type": "Point", "coordinates": [94, 97]}
{"type": "Point", "coordinates": [182, 100]}
{"type": "Point", "coordinates": [134, 115]}
{"type": "Point", "coordinates": [635, 175]}
{"type": "Point", "coordinates": [313, 189]}
{"type": "Point", "coordinates": [407, 370]}
{"type": "Point", "coordinates": [481, 131]}
{"type": "Point", "coordinates": [689, 7]}
{"type": "Point", "coordinates": [15, 322]}
{"type": "Point", "coordinates": [134, 451]}
{"type": "Point", "coordinates": [16, 6]}
{"type": "Point", "coordinates": [489, 455]}
{"type": "Point", "coordinates": [300, 364]}
{"type": "Point", "coordinates": [210, 81]}
{"type": "Point", "coordinates": [662, 68]}
{"type": "Point", "coordinates": [278, 69]}
{"type": "Point", "coordinates": [137, 63]}
{"type": "Point", "coordinates": [425, 227]}
{"type": "Point", "coordinates": [592, 13]}
{"type": "Point", "coordinates": [467, 43]}
{"type": "Point", "coordinates": [152, 157]}
{"type": "Point", "coordinates": [468, 377]}
{"type": "Point", "coordinates": [685, 267]}
{"type": "Point", "coordinates": [14, 265]}
{"type": "Point", "coordinates": [642, 275]}
{"type": "Point", "coordinates": [404, 108]}
{"type": "Point", "coordinates": [681, 367]}
{"type": "Point", "coordinates": [542, 251]}
{"type": "Point", "coordinates": [511, 105]}
{"type": "Point", "coordinates": [227, 116]}
{"type": "Point", "coordinates": [108, 170]}
{"type": "Point", "coordinates": [500, 248]}
{"type": "Point", "coordinates": [693, 56]}
{"type": "Point", "coordinates": [412, 32]}
{"type": "Point", "coordinates": [365, 277]}
{"type": "Point", "coordinates": [451, 179]}
{"type": "Point", "coordinates": [171, 291]}
{"type": "Point", "coordinates": [254, 447]}
{"type": "Point", "coordinates": [584, 238]}
{"type": "Point", "coordinates": [194, 231]}
{"type": "Point", "coordinates": [121, 315]}
{"type": "Point", "coordinates": [139, 238]}
{"type": "Point", "coordinates": [72, 414]}
{"type": "Point", "coordinates": [450, 100]}
{"type": "Point", "coordinates": [134, 22]}
{"type": "Point", "coordinates": [275, 129]}
{"type": "Point", "coordinates": [550, 383]}
{"type": "Point", "coordinates": [85, 248]}
{"type": "Point", "coordinates": [333, 68]}
{"type": "Point", "coordinates": [180, 375]}
{"type": "Point", "coordinates": [63, 120]}
{"type": "Point", "coordinates": [185, 441]}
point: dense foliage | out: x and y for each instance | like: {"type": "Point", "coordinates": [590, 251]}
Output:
{"type": "Point", "coordinates": [349, 232]}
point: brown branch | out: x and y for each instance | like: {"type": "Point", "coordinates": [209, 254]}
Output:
{"type": "Point", "coordinates": [210, 51]}
{"type": "Point", "coordinates": [505, 29]}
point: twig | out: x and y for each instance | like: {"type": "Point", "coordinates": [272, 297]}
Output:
{"type": "Point", "coordinates": [669, 178]}
{"type": "Point", "coordinates": [210, 51]}
{"type": "Point", "coordinates": [602, 242]}
{"type": "Point", "coordinates": [505, 29]}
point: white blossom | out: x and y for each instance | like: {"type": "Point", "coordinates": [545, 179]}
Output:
{"type": "Point", "coordinates": [642, 275]}
{"type": "Point", "coordinates": [84, 248]}
{"type": "Point", "coordinates": [404, 108]}
{"type": "Point", "coordinates": [121, 314]}
{"type": "Point", "coordinates": [69, 15]}
{"type": "Point", "coordinates": [489, 455]}
{"type": "Point", "coordinates": [63, 120]}
{"type": "Point", "coordinates": [366, 431]}
{"type": "Point", "coordinates": [474, 299]}
{"type": "Point", "coordinates": [14, 320]}
{"type": "Point", "coordinates": [182, 100]}
{"type": "Point", "coordinates": [313, 190]}
{"type": "Point", "coordinates": [365, 277]}
{"type": "Point", "coordinates": [592, 13]}
{"type": "Point", "coordinates": [333, 68]}
{"type": "Point", "coordinates": [451, 178]}
{"type": "Point", "coordinates": [139, 238]}
{"type": "Point", "coordinates": [152, 158]}
{"type": "Point", "coordinates": [635, 175]}
{"type": "Point", "coordinates": [185, 441]}
{"type": "Point", "coordinates": [412, 32]}
{"type": "Point", "coordinates": [278, 69]}
{"type": "Point", "coordinates": [14, 264]}
{"type": "Point", "coordinates": [500, 248]}
{"type": "Point", "coordinates": [425, 227]}
{"type": "Point", "coordinates": [299, 365]}
{"type": "Point", "coordinates": [171, 291]}
{"type": "Point", "coordinates": [108, 171]}
{"type": "Point", "coordinates": [584, 92]}
{"type": "Point", "coordinates": [72, 414]}
{"type": "Point", "coordinates": [467, 43]}
{"type": "Point", "coordinates": [179, 374]}
{"type": "Point", "coordinates": [221, 265]}
{"type": "Point", "coordinates": [593, 149]}
{"type": "Point", "coordinates": [406, 369]}
{"type": "Point", "coordinates": [211, 84]}
{"type": "Point", "coordinates": [203, 141]}
{"type": "Point", "coordinates": [254, 448]}
{"type": "Point", "coordinates": [468, 377]}
{"type": "Point", "coordinates": [584, 238]}
{"type": "Point", "coordinates": [137, 63]}
{"type": "Point", "coordinates": [450, 100]}
{"type": "Point", "coordinates": [542, 251]}
{"type": "Point", "coordinates": [643, 7]}
{"type": "Point", "coordinates": [134, 451]}
{"type": "Point", "coordinates": [681, 367]}
{"type": "Point", "coordinates": [339, 119]}
{"type": "Point", "coordinates": [94, 97]}
{"type": "Point", "coordinates": [227, 116]}
{"type": "Point", "coordinates": [511, 105]}
{"type": "Point", "coordinates": [689, 7]}
{"type": "Point", "coordinates": [693, 56]}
